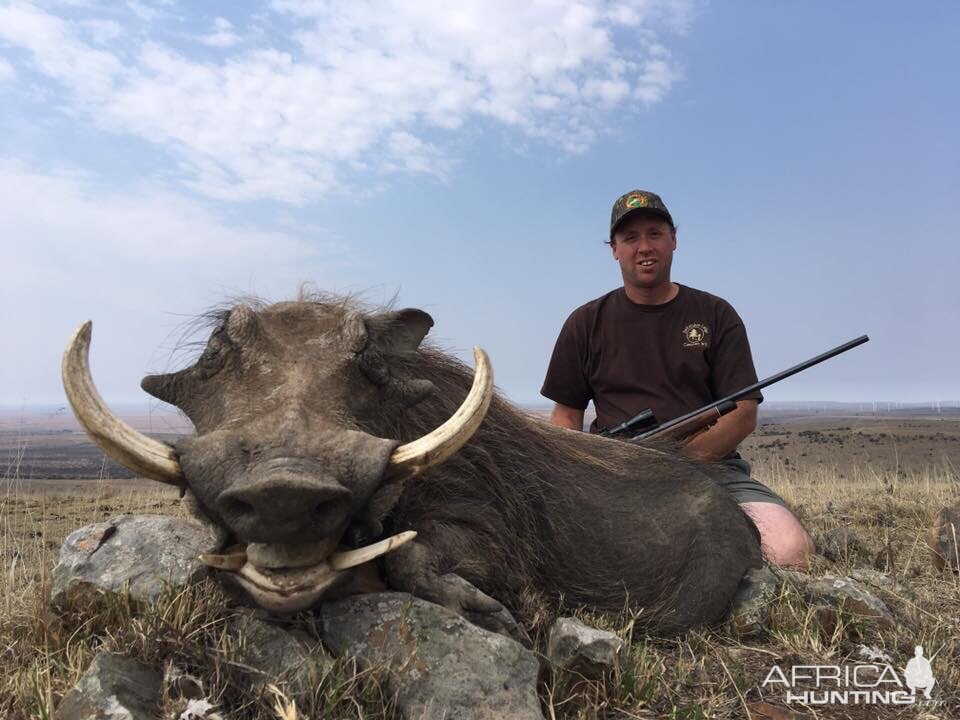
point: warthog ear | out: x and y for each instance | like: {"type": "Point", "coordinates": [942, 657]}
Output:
{"type": "Point", "coordinates": [399, 332]}
{"type": "Point", "coordinates": [163, 387]}
{"type": "Point", "coordinates": [396, 333]}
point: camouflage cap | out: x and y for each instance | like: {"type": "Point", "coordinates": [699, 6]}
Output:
{"type": "Point", "coordinates": [636, 201]}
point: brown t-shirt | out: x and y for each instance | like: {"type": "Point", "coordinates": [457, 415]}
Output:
{"type": "Point", "coordinates": [671, 358]}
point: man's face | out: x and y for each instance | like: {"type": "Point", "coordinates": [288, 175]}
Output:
{"type": "Point", "coordinates": [644, 245]}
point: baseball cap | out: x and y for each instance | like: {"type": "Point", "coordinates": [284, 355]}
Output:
{"type": "Point", "coordinates": [637, 201]}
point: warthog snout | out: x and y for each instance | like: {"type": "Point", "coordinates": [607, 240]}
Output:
{"type": "Point", "coordinates": [284, 505]}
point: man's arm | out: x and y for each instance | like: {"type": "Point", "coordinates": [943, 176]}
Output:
{"type": "Point", "coordinates": [722, 438]}
{"type": "Point", "coordinates": [568, 417]}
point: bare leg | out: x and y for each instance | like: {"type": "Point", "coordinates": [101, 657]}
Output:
{"type": "Point", "coordinates": [782, 538]}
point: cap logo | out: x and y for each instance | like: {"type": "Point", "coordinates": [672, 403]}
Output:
{"type": "Point", "coordinates": [636, 201]}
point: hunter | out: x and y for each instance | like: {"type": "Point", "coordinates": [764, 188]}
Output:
{"type": "Point", "coordinates": [654, 343]}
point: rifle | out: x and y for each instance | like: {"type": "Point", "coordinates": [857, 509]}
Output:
{"type": "Point", "coordinates": [680, 427]}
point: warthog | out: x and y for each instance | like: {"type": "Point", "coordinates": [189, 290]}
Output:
{"type": "Point", "coordinates": [326, 436]}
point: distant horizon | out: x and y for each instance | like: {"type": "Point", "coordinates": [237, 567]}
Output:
{"type": "Point", "coordinates": [882, 405]}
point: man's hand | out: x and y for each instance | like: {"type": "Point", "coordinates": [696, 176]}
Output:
{"type": "Point", "coordinates": [568, 417]}
{"type": "Point", "coordinates": [722, 438]}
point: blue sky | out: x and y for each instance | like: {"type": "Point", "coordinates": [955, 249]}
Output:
{"type": "Point", "coordinates": [463, 157]}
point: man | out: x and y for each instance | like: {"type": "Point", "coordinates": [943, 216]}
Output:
{"type": "Point", "coordinates": [656, 344]}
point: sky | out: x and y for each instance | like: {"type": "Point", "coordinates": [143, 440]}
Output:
{"type": "Point", "coordinates": [157, 159]}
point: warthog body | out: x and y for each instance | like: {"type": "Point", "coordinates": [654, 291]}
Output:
{"type": "Point", "coordinates": [299, 405]}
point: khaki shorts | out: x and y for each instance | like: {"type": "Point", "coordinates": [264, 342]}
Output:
{"type": "Point", "coordinates": [735, 477]}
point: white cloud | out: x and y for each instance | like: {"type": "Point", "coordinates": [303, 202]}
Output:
{"type": "Point", "coordinates": [408, 152]}
{"type": "Point", "coordinates": [223, 35]}
{"type": "Point", "coordinates": [73, 224]}
{"type": "Point", "coordinates": [149, 13]}
{"type": "Point", "coordinates": [102, 31]}
{"type": "Point", "coordinates": [138, 263]}
{"type": "Point", "coordinates": [7, 72]}
{"type": "Point", "coordinates": [366, 83]}
{"type": "Point", "coordinates": [59, 53]}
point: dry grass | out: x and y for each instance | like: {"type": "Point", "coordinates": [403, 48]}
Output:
{"type": "Point", "coordinates": [706, 674]}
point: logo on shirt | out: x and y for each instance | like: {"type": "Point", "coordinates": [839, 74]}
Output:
{"type": "Point", "coordinates": [696, 335]}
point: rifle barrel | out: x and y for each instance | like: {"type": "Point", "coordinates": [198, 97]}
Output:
{"type": "Point", "coordinates": [850, 344]}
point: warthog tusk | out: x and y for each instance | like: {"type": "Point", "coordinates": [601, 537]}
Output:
{"type": "Point", "coordinates": [337, 562]}
{"type": "Point", "coordinates": [132, 449]}
{"type": "Point", "coordinates": [438, 445]}
{"type": "Point", "coordinates": [231, 561]}
{"type": "Point", "coordinates": [296, 589]}
{"type": "Point", "coordinates": [352, 558]}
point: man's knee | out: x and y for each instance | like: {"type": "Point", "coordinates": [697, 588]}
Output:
{"type": "Point", "coordinates": [783, 539]}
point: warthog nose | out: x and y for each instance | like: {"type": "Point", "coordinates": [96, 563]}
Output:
{"type": "Point", "coordinates": [285, 508]}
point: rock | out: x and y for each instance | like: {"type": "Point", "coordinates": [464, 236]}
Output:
{"type": "Point", "coordinates": [751, 604]}
{"type": "Point", "coordinates": [842, 545]}
{"type": "Point", "coordinates": [148, 552]}
{"type": "Point", "coordinates": [943, 539]}
{"type": "Point", "coordinates": [286, 658]}
{"type": "Point", "coordinates": [113, 688]}
{"type": "Point", "coordinates": [794, 578]}
{"type": "Point", "coordinates": [436, 663]}
{"type": "Point", "coordinates": [845, 593]}
{"type": "Point", "coordinates": [580, 648]}
{"type": "Point", "coordinates": [199, 710]}
{"type": "Point", "coordinates": [870, 653]}
{"type": "Point", "coordinates": [875, 578]}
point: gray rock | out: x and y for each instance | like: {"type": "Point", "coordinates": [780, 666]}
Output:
{"type": "Point", "coordinates": [874, 578]}
{"type": "Point", "coordinates": [113, 688]}
{"type": "Point", "coordinates": [750, 609]}
{"type": "Point", "coordinates": [275, 654]}
{"type": "Point", "coordinates": [588, 651]}
{"type": "Point", "coordinates": [148, 552]}
{"type": "Point", "coordinates": [438, 665]}
{"type": "Point", "coordinates": [842, 545]}
{"type": "Point", "coordinates": [847, 594]}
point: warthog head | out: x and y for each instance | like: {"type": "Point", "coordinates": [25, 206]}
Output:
{"type": "Point", "coordinates": [280, 461]}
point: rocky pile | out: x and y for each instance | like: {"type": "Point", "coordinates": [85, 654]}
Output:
{"type": "Point", "coordinates": [435, 664]}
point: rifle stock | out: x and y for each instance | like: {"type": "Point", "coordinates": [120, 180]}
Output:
{"type": "Point", "coordinates": [684, 429]}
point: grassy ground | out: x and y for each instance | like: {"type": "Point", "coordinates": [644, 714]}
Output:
{"type": "Point", "coordinates": [705, 674]}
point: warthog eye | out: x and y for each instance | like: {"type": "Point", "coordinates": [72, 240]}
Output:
{"type": "Point", "coordinates": [214, 354]}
